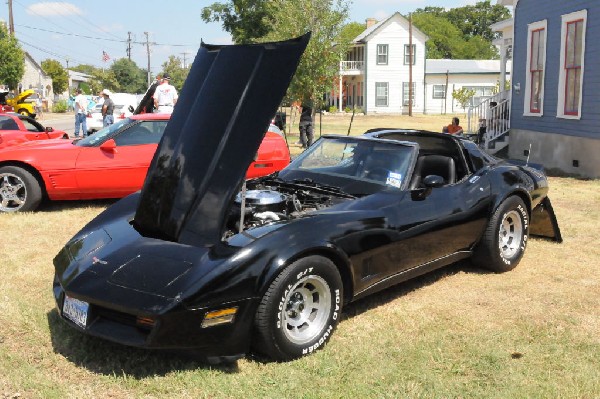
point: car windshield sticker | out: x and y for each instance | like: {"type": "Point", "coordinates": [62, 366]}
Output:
{"type": "Point", "coordinates": [394, 179]}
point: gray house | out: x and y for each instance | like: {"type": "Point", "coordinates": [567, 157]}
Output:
{"type": "Point", "coordinates": [554, 110]}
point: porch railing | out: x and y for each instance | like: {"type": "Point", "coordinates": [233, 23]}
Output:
{"type": "Point", "coordinates": [352, 66]}
{"type": "Point", "coordinates": [492, 114]}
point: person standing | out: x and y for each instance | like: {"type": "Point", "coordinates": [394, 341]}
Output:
{"type": "Point", "coordinates": [81, 104]}
{"type": "Point", "coordinates": [306, 126]}
{"type": "Point", "coordinates": [165, 96]}
{"type": "Point", "coordinates": [38, 107]}
{"type": "Point", "coordinates": [108, 107]}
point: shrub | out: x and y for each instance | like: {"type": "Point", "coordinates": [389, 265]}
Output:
{"type": "Point", "coordinates": [333, 109]}
{"type": "Point", "coordinates": [60, 106]}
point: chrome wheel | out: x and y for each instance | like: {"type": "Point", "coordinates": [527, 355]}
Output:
{"type": "Point", "coordinates": [510, 234]}
{"type": "Point", "coordinates": [13, 193]}
{"type": "Point", "coordinates": [307, 309]}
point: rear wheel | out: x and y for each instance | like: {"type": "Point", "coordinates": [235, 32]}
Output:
{"type": "Point", "coordinates": [503, 243]}
{"type": "Point", "coordinates": [23, 111]}
{"type": "Point", "coordinates": [19, 190]}
{"type": "Point", "coordinates": [300, 310]}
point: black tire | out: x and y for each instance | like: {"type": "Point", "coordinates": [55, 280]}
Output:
{"type": "Point", "coordinates": [19, 190]}
{"type": "Point", "coordinates": [24, 112]}
{"type": "Point", "coordinates": [505, 238]}
{"type": "Point", "coordinates": [300, 310]}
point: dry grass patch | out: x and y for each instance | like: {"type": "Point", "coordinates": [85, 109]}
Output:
{"type": "Point", "coordinates": [457, 332]}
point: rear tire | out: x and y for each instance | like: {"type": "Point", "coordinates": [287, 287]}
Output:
{"type": "Point", "coordinates": [505, 238]}
{"type": "Point", "coordinates": [24, 112]}
{"type": "Point", "coordinates": [300, 310]}
{"type": "Point", "coordinates": [19, 190]}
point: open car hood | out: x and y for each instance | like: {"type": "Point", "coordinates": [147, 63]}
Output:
{"type": "Point", "coordinates": [146, 104]}
{"type": "Point", "coordinates": [225, 106]}
{"type": "Point", "coordinates": [21, 97]}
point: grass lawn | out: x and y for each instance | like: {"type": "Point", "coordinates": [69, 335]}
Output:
{"type": "Point", "coordinates": [459, 332]}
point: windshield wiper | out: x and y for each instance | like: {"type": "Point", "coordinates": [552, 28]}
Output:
{"type": "Point", "coordinates": [322, 187]}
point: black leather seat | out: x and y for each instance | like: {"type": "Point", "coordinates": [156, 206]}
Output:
{"type": "Point", "coordinates": [439, 165]}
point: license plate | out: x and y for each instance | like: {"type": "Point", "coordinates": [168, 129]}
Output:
{"type": "Point", "coordinates": [76, 311]}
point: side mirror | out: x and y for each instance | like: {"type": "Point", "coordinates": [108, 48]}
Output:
{"type": "Point", "coordinates": [433, 181]}
{"type": "Point", "coordinates": [109, 146]}
{"type": "Point", "coordinates": [130, 108]}
{"type": "Point", "coordinates": [49, 129]}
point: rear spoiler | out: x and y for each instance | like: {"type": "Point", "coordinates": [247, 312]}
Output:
{"type": "Point", "coordinates": [543, 222]}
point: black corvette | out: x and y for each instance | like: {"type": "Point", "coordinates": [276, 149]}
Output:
{"type": "Point", "coordinates": [202, 262]}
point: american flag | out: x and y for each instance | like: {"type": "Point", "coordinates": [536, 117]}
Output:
{"type": "Point", "coordinates": [105, 56]}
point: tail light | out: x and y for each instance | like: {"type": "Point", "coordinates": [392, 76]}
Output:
{"type": "Point", "coordinates": [89, 115]}
{"type": "Point", "coordinates": [122, 115]}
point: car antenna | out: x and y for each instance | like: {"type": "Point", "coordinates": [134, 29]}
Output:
{"type": "Point", "coordinates": [528, 153]}
{"type": "Point", "coordinates": [243, 206]}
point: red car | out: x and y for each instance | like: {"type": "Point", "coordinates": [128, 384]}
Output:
{"type": "Point", "coordinates": [17, 129]}
{"type": "Point", "coordinates": [111, 163]}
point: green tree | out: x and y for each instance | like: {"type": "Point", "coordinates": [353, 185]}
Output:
{"type": "Point", "coordinates": [246, 20]}
{"type": "Point", "coordinates": [12, 66]}
{"type": "Point", "coordinates": [460, 33]}
{"type": "Point", "coordinates": [173, 66]}
{"type": "Point", "coordinates": [476, 20]}
{"type": "Point", "coordinates": [319, 64]}
{"type": "Point", "coordinates": [130, 77]}
{"type": "Point", "coordinates": [445, 40]}
{"type": "Point", "coordinates": [350, 31]}
{"type": "Point", "coordinates": [104, 79]}
{"type": "Point", "coordinates": [59, 75]}
{"type": "Point", "coordinates": [463, 96]}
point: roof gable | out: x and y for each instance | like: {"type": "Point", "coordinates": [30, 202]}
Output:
{"type": "Point", "coordinates": [368, 33]}
{"type": "Point", "coordinates": [36, 65]}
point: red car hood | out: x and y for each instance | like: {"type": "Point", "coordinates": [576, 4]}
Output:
{"type": "Point", "coordinates": [33, 149]}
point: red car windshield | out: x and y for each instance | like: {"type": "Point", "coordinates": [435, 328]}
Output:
{"type": "Point", "coordinates": [104, 134]}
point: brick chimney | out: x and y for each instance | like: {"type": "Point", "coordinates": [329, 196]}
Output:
{"type": "Point", "coordinates": [371, 22]}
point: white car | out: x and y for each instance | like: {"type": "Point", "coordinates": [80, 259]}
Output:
{"type": "Point", "coordinates": [124, 106]}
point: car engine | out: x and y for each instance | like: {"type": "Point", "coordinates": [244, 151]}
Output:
{"type": "Point", "coordinates": [271, 201]}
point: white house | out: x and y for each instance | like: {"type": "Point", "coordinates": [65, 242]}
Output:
{"type": "Point", "coordinates": [442, 77]}
{"type": "Point", "coordinates": [375, 75]}
{"type": "Point", "coordinates": [376, 72]}
{"type": "Point", "coordinates": [35, 78]}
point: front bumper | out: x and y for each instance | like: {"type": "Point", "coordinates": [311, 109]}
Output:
{"type": "Point", "coordinates": [179, 329]}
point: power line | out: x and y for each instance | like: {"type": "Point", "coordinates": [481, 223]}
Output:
{"type": "Point", "coordinates": [101, 38]}
{"type": "Point", "coordinates": [71, 34]}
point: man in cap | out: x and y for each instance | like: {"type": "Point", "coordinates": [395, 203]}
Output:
{"type": "Point", "coordinates": [165, 96]}
{"type": "Point", "coordinates": [108, 107]}
{"type": "Point", "coordinates": [81, 104]}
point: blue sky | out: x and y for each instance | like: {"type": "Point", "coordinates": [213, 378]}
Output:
{"type": "Point", "coordinates": [81, 31]}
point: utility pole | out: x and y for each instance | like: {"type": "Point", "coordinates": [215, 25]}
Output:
{"type": "Point", "coordinates": [185, 53]}
{"type": "Point", "coordinates": [11, 22]}
{"type": "Point", "coordinates": [67, 61]}
{"type": "Point", "coordinates": [129, 45]}
{"type": "Point", "coordinates": [410, 65]}
{"type": "Point", "coordinates": [148, 51]}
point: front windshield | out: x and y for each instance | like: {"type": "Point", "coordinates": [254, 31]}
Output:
{"type": "Point", "coordinates": [101, 135]}
{"type": "Point", "coordinates": [343, 160]}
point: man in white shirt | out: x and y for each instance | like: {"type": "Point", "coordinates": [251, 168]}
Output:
{"type": "Point", "coordinates": [81, 104]}
{"type": "Point", "coordinates": [165, 96]}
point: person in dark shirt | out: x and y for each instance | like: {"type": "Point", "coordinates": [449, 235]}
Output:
{"type": "Point", "coordinates": [108, 108]}
{"type": "Point", "coordinates": [306, 126]}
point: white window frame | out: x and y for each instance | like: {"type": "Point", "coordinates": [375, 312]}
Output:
{"type": "Point", "coordinates": [407, 55]}
{"type": "Point", "coordinates": [406, 92]}
{"type": "Point", "coordinates": [560, 107]}
{"type": "Point", "coordinates": [535, 26]}
{"type": "Point", "coordinates": [436, 93]}
{"type": "Point", "coordinates": [385, 85]}
{"type": "Point", "coordinates": [385, 53]}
